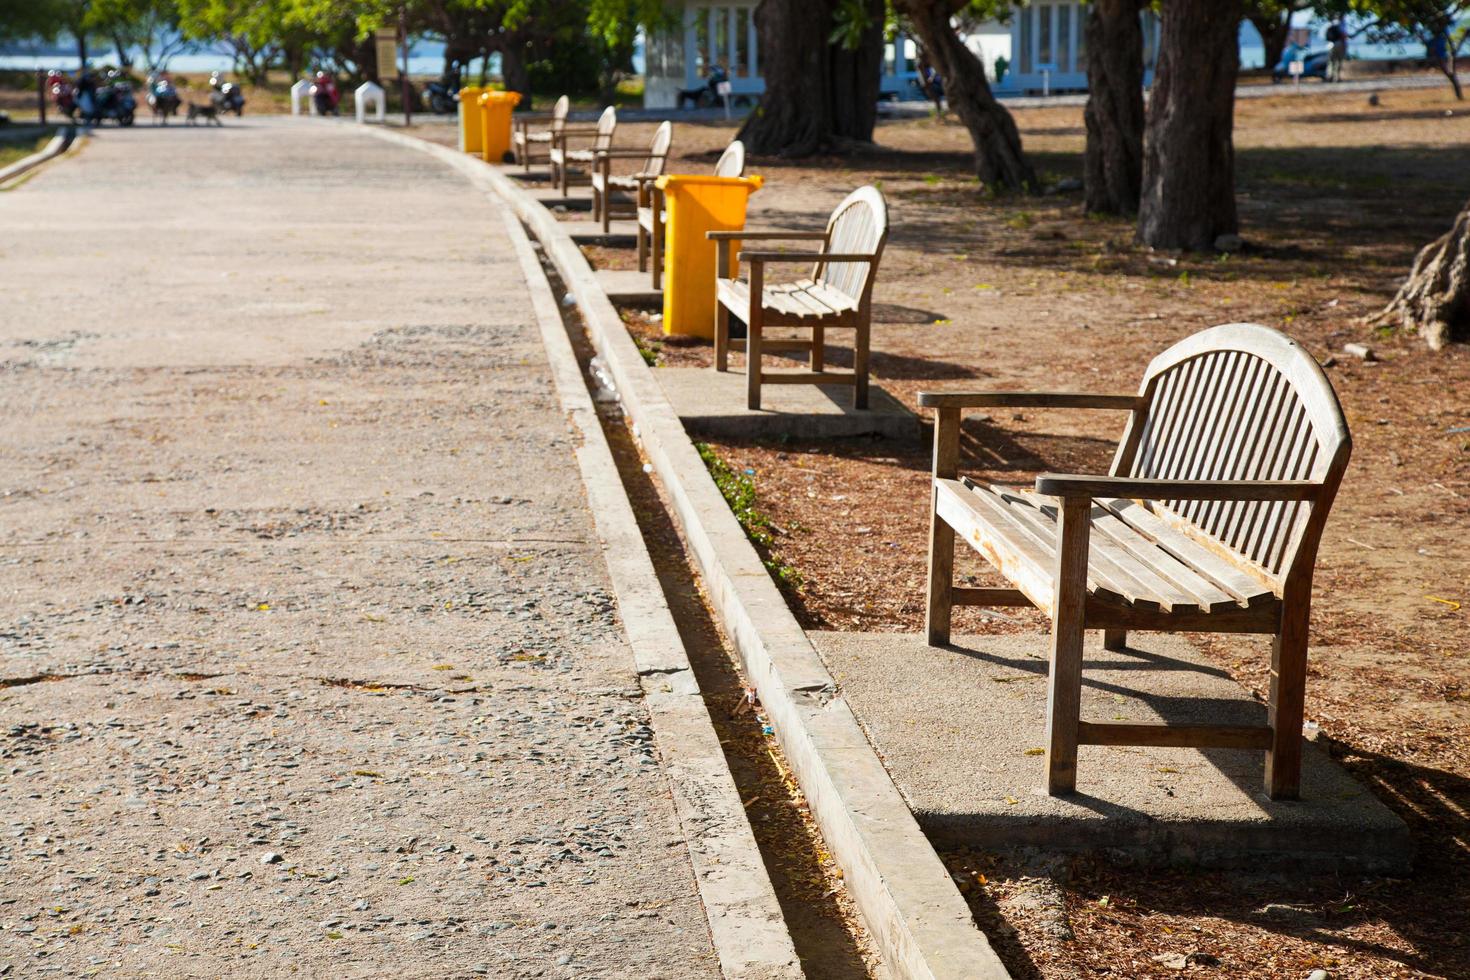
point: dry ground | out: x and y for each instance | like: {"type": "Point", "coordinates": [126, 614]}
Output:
{"type": "Point", "coordinates": [1335, 197]}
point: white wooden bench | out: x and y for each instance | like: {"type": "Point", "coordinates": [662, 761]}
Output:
{"type": "Point", "coordinates": [651, 214]}
{"type": "Point", "coordinates": [1208, 522]}
{"type": "Point", "coordinates": [605, 183]}
{"type": "Point", "coordinates": [562, 156]}
{"type": "Point", "coordinates": [836, 294]}
{"type": "Point", "coordinates": [531, 145]}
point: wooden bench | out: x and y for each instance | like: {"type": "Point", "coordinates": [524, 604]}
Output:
{"type": "Point", "coordinates": [528, 143]}
{"type": "Point", "coordinates": [651, 212]}
{"type": "Point", "coordinates": [836, 294]}
{"type": "Point", "coordinates": [1209, 521]}
{"type": "Point", "coordinates": [605, 182]}
{"type": "Point", "coordinates": [562, 156]}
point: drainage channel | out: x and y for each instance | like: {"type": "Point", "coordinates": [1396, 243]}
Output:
{"type": "Point", "coordinates": [824, 923]}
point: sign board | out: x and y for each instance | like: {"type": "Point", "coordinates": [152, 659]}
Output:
{"type": "Point", "coordinates": [722, 89]}
{"type": "Point", "coordinates": [1297, 68]}
{"type": "Point", "coordinates": [385, 40]}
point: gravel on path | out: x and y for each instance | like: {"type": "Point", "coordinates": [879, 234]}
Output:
{"type": "Point", "coordinates": [308, 658]}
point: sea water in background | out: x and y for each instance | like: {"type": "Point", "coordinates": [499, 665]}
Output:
{"type": "Point", "coordinates": [424, 58]}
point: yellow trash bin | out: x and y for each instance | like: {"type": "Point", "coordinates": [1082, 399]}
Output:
{"type": "Point", "coordinates": [495, 110]}
{"type": "Point", "coordinates": [697, 204]}
{"type": "Point", "coordinates": [471, 124]}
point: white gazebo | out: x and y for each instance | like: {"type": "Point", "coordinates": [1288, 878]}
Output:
{"type": "Point", "coordinates": [722, 32]}
{"type": "Point", "coordinates": [1049, 49]}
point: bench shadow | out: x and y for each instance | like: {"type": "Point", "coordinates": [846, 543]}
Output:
{"type": "Point", "coordinates": [1430, 909]}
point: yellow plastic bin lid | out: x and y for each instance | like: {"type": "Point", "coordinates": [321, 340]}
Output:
{"type": "Point", "coordinates": [693, 180]}
{"type": "Point", "coordinates": [492, 96]}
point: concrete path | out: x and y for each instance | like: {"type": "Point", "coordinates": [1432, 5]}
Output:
{"type": "Point", "coordinates": [308, 660]}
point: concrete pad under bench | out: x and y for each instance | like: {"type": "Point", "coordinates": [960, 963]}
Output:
{"type": "Point", "coordinates": [621, 232]}
{"type": "Point", "coordinates": [960, 729]}
{"type": "Point", "coordinates": [577, 198]}
{"type": "Point", "coordinates": [712, 403]}
{"type": "Point", "coordinates": [629, 287]}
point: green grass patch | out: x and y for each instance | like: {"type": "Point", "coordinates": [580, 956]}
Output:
{"type": "Point", "coordinates": [22, 144]}
{"type": "Point", "coordinates": [738, 489]}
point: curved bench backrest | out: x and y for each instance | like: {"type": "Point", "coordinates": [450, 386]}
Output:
{"type": "Point", "coordinates": [732, 162]}
{"type": "Point", "coordinates": [559, 113]}
{"type": "Point", "coordinates": [859, 225]}
{"type": "Point", "coordinates": [1241, 402]}
{"type": "Point", "coordinates": [658, 149]}
{"type": "Point", "coordinates": [607, 125]}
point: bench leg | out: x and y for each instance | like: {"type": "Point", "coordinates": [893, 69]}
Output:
{"type": "Point", "coordinates": [1115, 639]}
{"type": "Point", "coordinates": [1287, 705]}
{"type": "Point", "coordinates": [941, 580]}
{"type": "Point", "coordinates": [860, 366]}
{"type": "Point", "coordinates": [658, 254]}
{"type": "Point", "coordinates": [642, 249]}
{"type": "Point", "coordinates": [753, 364]}
{"type": "Point", "coordinates": [722, 336]}
{"type": "Point", "coordinates": [1064, 682]}
{"type": "Point", "coordinates": [817, 356]}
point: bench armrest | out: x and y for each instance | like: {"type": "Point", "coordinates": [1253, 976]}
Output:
{"type": "Point", "coordinates": [804, 257]}
{"type": "Point", "coordinates": [1026, 399]}
{"type": "Point", "coordinates": [766, 236]}
{"type": "Point", "coordinates": [1070, 485]}
{"type": "Point", "coordinates": [626, 154]}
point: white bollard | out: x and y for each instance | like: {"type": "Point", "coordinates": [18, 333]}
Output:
{"type": "Point", "coordinates": [370, 92]}
{"type": "Point", "coordinates": [299, 92]}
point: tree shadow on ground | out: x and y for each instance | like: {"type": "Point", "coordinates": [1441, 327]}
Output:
{"type": "Point", "coordinates": [1306, 211]}
{"type": "Point", "coordinates": [1430, 909]}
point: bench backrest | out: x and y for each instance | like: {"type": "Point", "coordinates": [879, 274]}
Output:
{"type": "Point", "coordinates": [1241, 402]}
{"type": "Point", "coordinates": [658, 149]}
{"type": "Point", "coordinates": [732, 162]}
{"type": "Point", "coordinates": [607, 125]}
{"type": "Point", "coordinates": [559, 112]}
{"type": "Point", "coordinates": [859, 225]}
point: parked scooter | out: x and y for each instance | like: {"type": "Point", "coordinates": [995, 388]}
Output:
{"type": "Point", "coordinates": [225, 96]}
{"type": "Point", "coordinates": [63, 93]}
{"type": "Point", "coordinates": [112, 98]}
{"type": "Point", "coordinates": [325, 95]}
{"type": "Point", "coordinates": [163, 98]}
{"type": "Point", "coordinates": [441, 96]}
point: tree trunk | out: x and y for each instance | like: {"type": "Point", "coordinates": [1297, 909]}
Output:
{"type": "Point", "coordinates": [1435, 299]}
{"type": "Point", "coordinates": [999, 161]}
{"type": "Point", "coordinates": [857, 77]}
{"type": "Point", "coordinates": [1113, 160]}
{"type": "Point", "coordinates": [81, 36]}
{"type": "Point", "coordinates": [1189, 152]}
{"type": "Point", "coordinates": [1273, 31]}
{"type": "Point", "coordinates": [1447, 65]}
{"type": "Point", "coordinates": [515, 71]}
{"type": "Point", "coordinates": [794, 116]}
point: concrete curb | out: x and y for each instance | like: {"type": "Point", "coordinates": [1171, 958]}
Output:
{"type": "Point", "coordinates": [903, 890]}
{"type": "Point", "coordinates": [59, 144]}
{"type": "Point", "coordinates": [746, 925]}
{"type": "Point", "coordinates": [745, 919]}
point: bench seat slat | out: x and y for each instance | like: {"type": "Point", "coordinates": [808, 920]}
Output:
{"type": "Point", "coordinates": [1105, 572]}
{"type": "Point", "coordinates": [1135, 557]}
{"type": "Point", "coordinates": [1229, 576]}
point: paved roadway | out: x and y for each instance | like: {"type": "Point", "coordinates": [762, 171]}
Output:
{"type": "Point", "coordinates": [308, 661]}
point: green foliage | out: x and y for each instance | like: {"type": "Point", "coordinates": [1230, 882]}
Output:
{"type": "Point", "coordinates": [738, 489]}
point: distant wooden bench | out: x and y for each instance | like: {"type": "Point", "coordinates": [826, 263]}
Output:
{"type": "Point", "coordinates": [836, 294]}
{"type": "Point", "coordinates": [1209, 522]}
{"type": "Point", "coordinates": [605, 183]}
{"type": "Point", "coordinates": [562, 156]}
{"type": "Point", "coordinates": [651, 212]}
{"type": "Point", "coordinates": [533, 145]}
